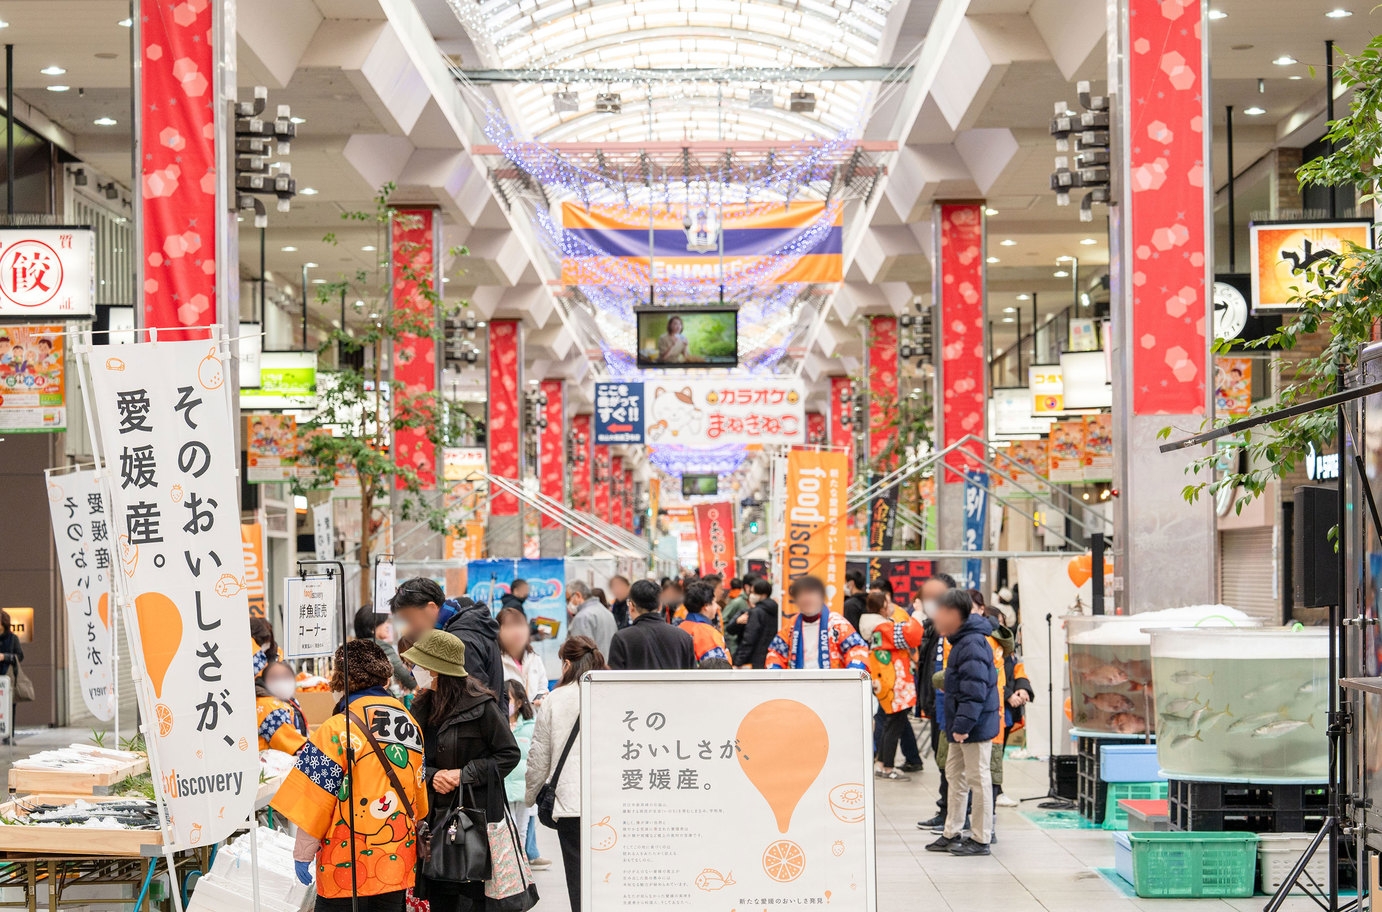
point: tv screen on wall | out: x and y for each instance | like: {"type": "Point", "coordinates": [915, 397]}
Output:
{"type": "Point", "coordinates": [688, 337]}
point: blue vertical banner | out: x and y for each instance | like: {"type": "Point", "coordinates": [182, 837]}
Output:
{"type": "Point", "coordinates": [976, 521]}
{"type": "Point", "coordinates": [489, 580]}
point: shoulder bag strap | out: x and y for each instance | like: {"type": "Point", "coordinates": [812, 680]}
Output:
{"type": "Point", "coordinates": [384, 762]}
{"type": "Point", "coordinates": [561, 764]}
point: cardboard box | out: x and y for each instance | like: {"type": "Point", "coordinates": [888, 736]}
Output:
{"type": "Point", "coordinates": [316, 706]}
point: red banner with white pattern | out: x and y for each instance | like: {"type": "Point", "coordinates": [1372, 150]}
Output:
{"type": "Point", "coordinates": [841, 432]}
{"type": "Point", "coordinates": [628, 500]}
{"type": "Point", "coordinates": [552, 455]}
{"type": "Point", "coordinates": [177, 171]}
{"type": "Point", "coordinates": [504, 411]}
{"type": "Point", "coordinates": [616, 491]}
{"type": "Point", "coordinates": [584, 457]}
{"type": "Point", "coordinates": [603, 507]}
{"type": "Point", "coordinates": [882, 384]}
{"type": "Point", "coordinates": [1166, 207]}
{"type": "Point", "coordinates": [715, 538]}
{"type": "Point", "coordinates": [413, 269]}
{"type": "Point", "coordinates": [962, 321]}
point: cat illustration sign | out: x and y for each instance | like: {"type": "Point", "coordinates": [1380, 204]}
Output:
{"type": "Point", "coordinates": [47, 272]}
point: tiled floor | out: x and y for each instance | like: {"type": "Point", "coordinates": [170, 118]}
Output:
{"type": "Point", "coordinates": [1030, 870]}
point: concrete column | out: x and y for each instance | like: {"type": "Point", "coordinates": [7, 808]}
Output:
{"type": "Point", "coordinates": [1160, 271]}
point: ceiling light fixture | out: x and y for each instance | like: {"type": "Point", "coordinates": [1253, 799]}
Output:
{"type": "Point", "coordinates": [1284, 60]}
{"type": "Point", "coordinates": [990, 212]}
{"type": "Point", "coordinates": [369, 248]}
{"type": "Point", "coordinates": [59, 88]}
{"type": "Point", "coordinates": [1023, 297]}
{"type": "Point", "coordinates": [53, 70]}
{"type": "Point", "coordinates": [993, 260]}
{"type": "Point", "coordinates": [308, 191]}
{"type": "Point", "coordinates": [297, 120]}
{"type": "Point", "coordinates": [105, 121]}
{"type": "Point", "coordinates": [1254, 111]}
{"type": "Point", "coordinates": [319, 281]}
{"type": "Point", "coordinates": [1009, 310]}
{"type": "Point", "coordinates": [1009, 319]}
{"type": "Point", "coordinates": [1339, 13]}
{"type": "Point", "coordinates": [1007, 242]}
{"type": "Point", "coordinates": [760, 98]}
{"type": "Point", "coordinates": [309, 265]}
{"type": "Point", "coordinates": [1061, 274]}
{"type": "Point", "coordinates": [566, 103]}
{"type": "Point", "coordinates": [289, 249]}
{"type": "Point", "coordinates": [802, 102]}
{"type": "Point", "coordinates": [126, 23]}
{"type": "Point", "coordinates": [1217, 14]}
{"type": "Point", "coordinates": [1088, 242]}
{"type": "Point", "coordinates": [1295, 78]}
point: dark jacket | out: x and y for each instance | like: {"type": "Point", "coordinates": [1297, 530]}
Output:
{"type": "Point", "coordinates": [855, 606]}
{"type": "Point", "coordinates": [971, 683]}
{"type": "Point", "coordinates": [509, 600]}
{"type": "Point", "coordinates": [474, 626]}
{"type": "Point", "coordinates": [620, 609]}
{"type": "Point", "coordinates": [926, 668]}
{"type": "Point", "coordinates": [733, 610]}
{"type": "Point", "coordinates": [10, 646]}
{"type": "Point", "coordinates": [758, 635]}
{"type": "Point", "coordinates": [651, 644]}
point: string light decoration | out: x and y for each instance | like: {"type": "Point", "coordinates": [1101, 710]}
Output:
{"type": "Point", "coordinates": [676, 461]}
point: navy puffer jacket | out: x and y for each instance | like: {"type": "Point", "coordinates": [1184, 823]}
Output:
{"type": "Point", "coordinates": [971, 683]}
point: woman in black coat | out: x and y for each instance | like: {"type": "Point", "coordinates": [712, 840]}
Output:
{"type": "Point", "coordinates": [467, 750]}
{"type": "Point", "coordinates": [11, 652]}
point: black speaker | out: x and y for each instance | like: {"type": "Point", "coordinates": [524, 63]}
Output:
{"type": "Point", "coordinates": [1315, 574]}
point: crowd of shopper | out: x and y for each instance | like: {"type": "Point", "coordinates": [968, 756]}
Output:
{"type": "Point", "coordinates": [450, 741]}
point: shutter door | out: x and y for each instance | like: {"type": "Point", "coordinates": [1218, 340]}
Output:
{"type": "Point", "coordinates": [1247, 573]}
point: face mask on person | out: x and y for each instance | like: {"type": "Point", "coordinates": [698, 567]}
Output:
{"type": "Point", "coordinates": [928, 607]}
{"type": "Point", "coordinates": [423, 677]}
{"type": "Point", "coordinates": [283, 688]}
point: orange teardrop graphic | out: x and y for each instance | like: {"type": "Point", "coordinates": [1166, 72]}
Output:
{"type": "Point", "coordinates": [1080, 569]}
{"type": "Point", "coordinates": [782, 749]}
{"type": "Point", "coordinates": [160, 634]}
{"type": "Point", "coordinates": [103, 609]}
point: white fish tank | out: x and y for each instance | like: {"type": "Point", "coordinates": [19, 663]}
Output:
{"type": "Point", "coordinates": [1111, 665]}
{"type": "Point", "coordinates": [1242, 705]}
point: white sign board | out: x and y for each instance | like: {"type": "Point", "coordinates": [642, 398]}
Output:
{"type": "Point", "coordinates": [167, 436]}
{"type": "Point", "coordinates": [311, 616]}
{"type": "Point", "coordinates": [47, 272]}
{"type": "Point", "coordinates": [757, 794]}
{"type": "Point", "coordinates": [6, 706]}
{"type": "Point", "coordinates": [86, 552]}
{"type": "Point", "coordinates": [385, 584]}
{"type": "Point", "coordinates": [701, 412]}
{"type": "Point", "coordinates": [323, 531]}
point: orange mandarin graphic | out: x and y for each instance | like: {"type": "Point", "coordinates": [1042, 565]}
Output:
{"type": "Point", "coordinates": [160, 628]}
{"type": "Point", "coordinates": [783, 745]}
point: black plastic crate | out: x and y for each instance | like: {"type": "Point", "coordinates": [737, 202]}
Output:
{"type": "Point", "coordinates": [1245, 820]}
{"type": "Point", "coordinates": [1065, 777]}
{"type": "Point", "coordinates": [1226, 796]}
{"type": "Point", "coordinates": [1092, 800]}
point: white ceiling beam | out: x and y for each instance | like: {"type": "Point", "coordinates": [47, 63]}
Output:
{"type": "Point", "coordinates": [1074, 32]}
{"type": "Point", "coordinates": [273, 36]}
{"type": "Point", "coordinates": [986, 154]}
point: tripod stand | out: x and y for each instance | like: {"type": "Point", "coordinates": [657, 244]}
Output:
{"type": "Point", "coordinates": [1052, 800]}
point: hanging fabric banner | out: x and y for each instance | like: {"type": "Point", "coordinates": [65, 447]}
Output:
{"type": "Point", "coordinates": [883, 389]}
{"type": "Point", "coordinates": [882, 518]}
{"type": "Point", "coordinates": [177, 165]}
{"type": "Point", "coordinates": [167, 433]}
{"type": "Point", "coordinates": [414, 277]}
{"type": "Point", "coordinates": [961, 294]}
{"type": "Point", "coordinates": [976, 521]}
{"type": "Point", "coordinates": [552, 450]}
{"type": "Point", "coordinates": [581, 427]}
{"type": "Point", "coordinates": [252, 540]}
{"type": "Point", "coordinates": [81, 534]}
{"type": "Point", "coordinates": [715, 538]}
{"type": "Point", "coordinates": [815, 523]}
{"type": "Point", "coordinates": [502, 432]}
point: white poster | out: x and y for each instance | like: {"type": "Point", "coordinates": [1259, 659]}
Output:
{"type": "Point", "coordinates": [323, 531]}
{"type": "Point", "coordinates": [6, 706]}
{"type": "Point", "coordinates": [385, 584]}
{"type": "Point", "coordinates": [47, 272]}
{"type": "Point", "coordinates": [1050, 586]}
{"type": "Point", "coordinates": [167, 435]}
{"type": "Point", "coordinates": [311, 616]}
{"type": "Point", "coordinates": [82, 536]}
{"type": "Point", "coordinates": [757, 794]}
{"type": "Point", "coordinates": [703, 412]}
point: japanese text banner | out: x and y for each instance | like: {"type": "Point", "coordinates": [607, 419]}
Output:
{"type": "Point", "coordinates": [715, 412]}
{"type": "Point", "coordinates": [715, 538]}
{"type": "Point", "coordinates": [81, 534]}
{"type": "Point", "coordinates": [167, 434]}
{"type": "Point", "coordinates": [817, 487]}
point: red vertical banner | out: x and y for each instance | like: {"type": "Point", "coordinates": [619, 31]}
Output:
{"type": "Point", "coordinates": [841, 431]}
{"type": "Point", "coordinates": [552, 456]}
{"type": "Point", "coordinates": [581, 441]}
{"type": "Point", "coordinates": [1166, 208]}
{"type": "Point", "coordinates": [629, 520]}
{"type": "Point", "coordinates": [815, 429]}
{"type": "Point", "coordinates": [505, 411]}
{"type": "Point", "coordinates": [962, 321]}
{"type": "Point", "coordinates": [616, 491]}
{"type": "Point", "coordinates": [413, 278]}
{"type": "Point", "coordinates": [882, 385]}
{"type": "Point", "coordinates": [602, 504]}
{"type": "Point", "coordinates": [177, 176]}
{"type": "Point", "coordinates": [715, 538]}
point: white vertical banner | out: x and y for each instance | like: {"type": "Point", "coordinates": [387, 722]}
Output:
{"type": "Point", "coordinates": [385, 584]}
{"type": "Point", "coordinates": [167, 436]}
{"type": "Point", "coordinates": [6, 706]}
{"type": "Point", "coordinates": [311, 616]}
{"type": "Point", "coordinates": [324, 531]}
{"type": "Point", "coordinates": [86, 548]}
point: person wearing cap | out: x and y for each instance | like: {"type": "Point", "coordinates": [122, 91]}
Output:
{"type": "Point", "coordinates": [468, 750]}
{"type": "Point", "coordinates": [357, 833]}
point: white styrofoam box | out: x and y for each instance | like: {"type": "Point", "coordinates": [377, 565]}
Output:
{"type": "Point", "coordinates": [213, 894]}
{"type": "Point", "coordinates": [1277, 854]}
{"type": "Point", "coordinates": [1122, 856]}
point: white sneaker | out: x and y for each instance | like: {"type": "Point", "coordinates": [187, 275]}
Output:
{"type": "Point", "coordinates": [539, 863]}
{"type": "Point", "coordinates": [1006, 801]}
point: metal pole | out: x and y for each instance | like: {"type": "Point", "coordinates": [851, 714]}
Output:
{"type": "Point", "coordinates": [263, 282]}
{"type": "Point", "coordinates": [1333, 213]}
{"type": "Point", "coordinates": [1232, 218]}
{"type": "Point", "coordinates": [304, 308]}
{"type": "Point", "coordinates": [9, 130]}
{"type": "Point", "coordinates": [1035, 359]}
{"type": "Point", "coordinates": [1017, 344]}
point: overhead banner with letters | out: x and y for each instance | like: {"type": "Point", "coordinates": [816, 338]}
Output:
{"type": "Point", "coordinates": [757, 244]}
{"type": "Point", "coordinates": [82, 536]}
{"type": "Point", "coordinates": [814, 540]}
{"type": "Point", "coordinates": [167, 436]}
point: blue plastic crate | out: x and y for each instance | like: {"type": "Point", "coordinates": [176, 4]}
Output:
{"type": "Point", "coordinates": [1129, 763]}
{"type": "Point", "coordinates": [1122, 856]}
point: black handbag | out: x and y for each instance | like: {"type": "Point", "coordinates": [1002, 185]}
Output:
{"type": "Point", "coordinates": [547, 796]}
{"type": "Point", "coordinates": [458, 845]}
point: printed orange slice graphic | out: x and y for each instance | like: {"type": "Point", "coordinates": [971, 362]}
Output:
{"type": "Point", "coordinates": [782, 749]}
{"type": "Point", "coordinates": [784, 861]}
{"type": "Point", "coordinates": [165, 719]}
{"type": "Point", "coordinates": [160, 634]}
{"type": "Point", "coordinates": [103, 609]}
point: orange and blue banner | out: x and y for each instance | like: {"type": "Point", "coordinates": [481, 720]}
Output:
{"type": "Point", "coordinates": [763, 243]}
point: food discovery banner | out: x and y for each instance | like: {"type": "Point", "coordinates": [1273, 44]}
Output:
{"type": "Point", "coordinates": [32, 378]}
{"type": "Point", "coordinates": [86, 548]}
{"type": "Point", "coordinates": [758, 794]}
{"type": "Point", "coordinates": [715, 538]}
{"type": "Point", "coordinates": [814, 537]}
{"type": "Point", "coordinates": [167, 436]}
{"type": "Point", "coordinates": [252, 542]}
{"type": "Point", "coordinates": [701, 412]}
{"type": "Point", "coordinates": [757, 243]}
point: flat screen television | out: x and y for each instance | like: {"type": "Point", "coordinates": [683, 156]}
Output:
{"type": "Point", "coordinates": [700, 485]}
{"type": "Point", "coordinates": [688, 336]}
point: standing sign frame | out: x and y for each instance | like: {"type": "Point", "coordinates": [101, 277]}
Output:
{"type": "Point", "coordinates": [816, 806]}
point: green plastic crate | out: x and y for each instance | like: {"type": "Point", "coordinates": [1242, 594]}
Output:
{"type": "Point", "coordinates": [1190, 865]}
{"type": "Point", "coordinates": [1115, 818]}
